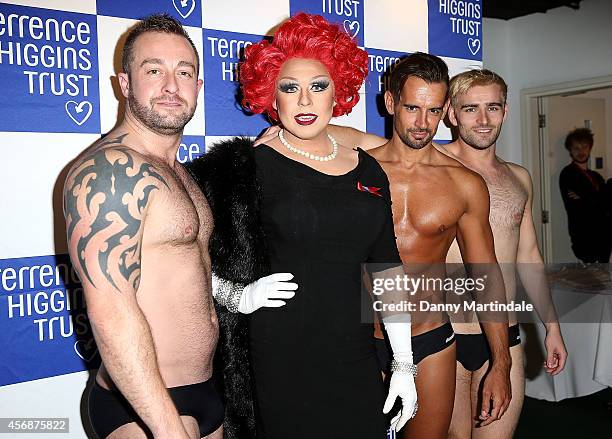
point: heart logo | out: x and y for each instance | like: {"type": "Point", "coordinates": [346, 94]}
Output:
{"type": "Point", "coordinates": [79, 112]}
{"type": "Point", "coordinates": [184, 7]}
{"type": "Point", "coordinates": [351, 27]}
{"type": "Point", "coordinates": [86, 349]}
{"type": "Point", "coordinates": [473, 45]}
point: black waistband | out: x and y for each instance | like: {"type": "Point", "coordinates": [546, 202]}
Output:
{"type": "Point", "coordinates": [109, 410]}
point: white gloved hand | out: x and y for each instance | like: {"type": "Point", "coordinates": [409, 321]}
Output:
{"type": "Point", "coordinates": [401, 383]}
{"type": "Point", "coordinates": [266, 292]}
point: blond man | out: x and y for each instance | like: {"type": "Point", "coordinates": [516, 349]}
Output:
{"type": "Point", "coordinates": [478, 109]}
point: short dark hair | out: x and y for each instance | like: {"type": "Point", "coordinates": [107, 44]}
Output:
{"type": "Point", "coordinates": [429, 68]}
{"type": "Point", "coordinates": [579, 135]}
{"type": "Point", "coordinates": [163, 23]}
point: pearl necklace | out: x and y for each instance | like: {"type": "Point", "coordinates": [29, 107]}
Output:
{"type": "Point", "coordinates": [308, 155]}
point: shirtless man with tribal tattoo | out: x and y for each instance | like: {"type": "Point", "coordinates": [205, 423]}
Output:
{"type": "Point", "coordinates": [138, 229]}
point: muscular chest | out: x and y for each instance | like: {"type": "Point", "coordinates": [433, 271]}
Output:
{"type": "Point", "coordinates": [424, 205]}
{"type": "Point", "coordinates": [507, 200]}
{"type": "Point", "coordinates": [182, 216]}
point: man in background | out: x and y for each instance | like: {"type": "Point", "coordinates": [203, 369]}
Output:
{"type": "Point", "coordinates": [586, 201]}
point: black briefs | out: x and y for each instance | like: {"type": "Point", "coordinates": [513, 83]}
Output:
{"type": "Point", "coordinates": [109, 410]}
{"type": "Point", "coordinates": [473, 350]}
{"type": "Point", "coordinates": [423, 345]}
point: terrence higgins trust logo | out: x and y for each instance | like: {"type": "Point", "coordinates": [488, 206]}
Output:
{"type": "Point", "coordinates": [44, 329]}
{"type": "Point", "coordinates": [347, 13]}
{"type": "Point", "coordinates": [455, 28]}
{"type": "Point", "coordinates": [222, 52]}
{"type": "Point", "coordinates": [48, 64]}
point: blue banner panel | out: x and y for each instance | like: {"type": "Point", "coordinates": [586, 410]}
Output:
{"type": "Point", "coordinates": [191, 148]}
{"type": "Point", "coordinates": [455, 28]}
{"type": "Point", "coordinates": [188, 12]}
{"type": "Point", "coordinates": [222, 111]}
{"type": "Point", "coordinates": [347, 13]}
{"type": "Point", "coordinates": [49, 70]}
{"type": "Point", "coordinates": [44, 330]}
{"type": "Point", "coordinates": [380, 62]}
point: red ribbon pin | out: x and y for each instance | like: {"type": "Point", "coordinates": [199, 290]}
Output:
{"type": "Point", "coordinates": [371, 189]}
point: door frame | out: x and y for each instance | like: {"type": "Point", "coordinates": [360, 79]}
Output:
{"type": "Point", "coordinates": [531, 152]}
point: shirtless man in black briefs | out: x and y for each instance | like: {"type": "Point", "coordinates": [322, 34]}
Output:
{"type": "Point", "coordinates": [436, 199]}
{"type": "Point", "coordinates": [138, 229]}
{"type": "Point", "coordinates": [478, 108]}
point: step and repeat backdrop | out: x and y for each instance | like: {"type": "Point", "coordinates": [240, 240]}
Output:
{"type": "Point", "coordinates": [58, 66]}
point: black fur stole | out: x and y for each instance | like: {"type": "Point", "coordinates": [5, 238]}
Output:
{"type": "Point", "coordinates": [226, 175]}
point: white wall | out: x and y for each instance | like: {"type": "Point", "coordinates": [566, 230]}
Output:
{"type": "Point", "coordinates": [541, 49]}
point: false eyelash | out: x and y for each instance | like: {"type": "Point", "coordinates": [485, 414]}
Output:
{"type": "Point", "coordinates": [321, 84]}
{"type": "Point", "coordinates": [286, 87]}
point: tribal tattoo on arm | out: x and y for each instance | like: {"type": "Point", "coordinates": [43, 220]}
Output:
{"type": "Point", "coordinates": [105, 201]}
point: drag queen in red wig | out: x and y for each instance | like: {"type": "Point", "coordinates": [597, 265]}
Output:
{"type": "Point", "coordinates": [310, 211]}
{"type": "Point", "coordinates": [307, 37]}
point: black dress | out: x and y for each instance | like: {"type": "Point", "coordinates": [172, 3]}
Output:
{"type": "Point", "coordinates": [315, 367]}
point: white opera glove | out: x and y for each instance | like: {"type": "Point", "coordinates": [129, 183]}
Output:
{"type": "Point", "coordinates": [403, 373]}
{"type": "Point", "coordinates": [267, 292]}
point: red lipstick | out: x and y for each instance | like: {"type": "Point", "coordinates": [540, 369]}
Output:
{"type": "Point", "coordinates": [305, 118]}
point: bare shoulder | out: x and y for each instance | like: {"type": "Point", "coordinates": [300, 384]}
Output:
{"type": "Point", "coordinates": [468, 178]}
{"type": "Point", "coordinates": [521, 173]}
{"type": "Point", "coordinates": [110, 172]}
{"type": "Point", "coordinates": [103, 150]}
{"type": "Point", "coordinates": [518, 170]}
{"type": "Point", "coordinates": [466, 182]}
{"type": "Point", "coordinates": [106, 198]}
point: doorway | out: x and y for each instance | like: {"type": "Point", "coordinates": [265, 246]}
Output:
{"type": "Point", "coordinates": [549, 114]}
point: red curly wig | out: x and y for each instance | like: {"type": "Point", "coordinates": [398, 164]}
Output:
{"type": "Point", "coordinates": [303, 36]}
